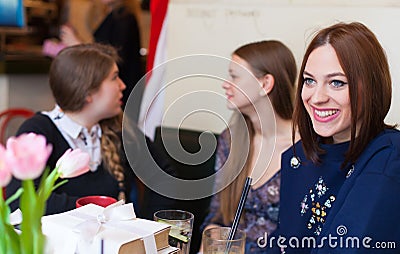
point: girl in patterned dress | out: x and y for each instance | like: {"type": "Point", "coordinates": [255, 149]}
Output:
{"type": "Point", "coordinates": [260, 92]}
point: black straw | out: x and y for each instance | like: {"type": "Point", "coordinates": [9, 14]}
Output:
{"type": "Point", "coordinates": [239, 211]}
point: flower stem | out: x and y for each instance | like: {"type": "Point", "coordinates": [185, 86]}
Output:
{"type": "Point", "coordinates": [9, 240]}
{"type": "Point", "coordinates": [32, 207]}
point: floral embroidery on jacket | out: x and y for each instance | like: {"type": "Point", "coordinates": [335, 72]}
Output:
{"type": "Point", "coordinates": [304, 205]}
{"type": "Point", "coordinates": [319, 206]}
{"type": "Point", "coordinates": [320, 187]}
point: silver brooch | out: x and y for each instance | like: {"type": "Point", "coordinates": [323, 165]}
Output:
{"type": "Point", "coordinates": [295, 162]}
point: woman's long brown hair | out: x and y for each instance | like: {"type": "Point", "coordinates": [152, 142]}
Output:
{"type": "Point", "coordinates": [264, 57]}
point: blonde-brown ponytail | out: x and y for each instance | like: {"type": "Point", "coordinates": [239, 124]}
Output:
{"type": "Point", "coordinates": [110, 149]}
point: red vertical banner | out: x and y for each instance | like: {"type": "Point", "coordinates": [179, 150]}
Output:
{"type": "Point", "coordinates": [151, 109]}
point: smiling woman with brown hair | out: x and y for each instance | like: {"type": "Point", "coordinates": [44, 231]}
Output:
{"type": "Point", "coordinates": [342, 179]}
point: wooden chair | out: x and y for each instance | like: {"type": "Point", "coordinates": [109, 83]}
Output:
{"type": "Point", "coordinates": [9, 114]}
{"type": "Point", "coordinates": [5, 117]}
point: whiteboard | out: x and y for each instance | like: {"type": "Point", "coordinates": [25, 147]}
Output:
{"type": "Point", "coordinates": [217, 27]}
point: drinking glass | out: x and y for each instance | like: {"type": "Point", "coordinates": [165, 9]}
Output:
{"type": "Point", "coordinates": [215, 241]}
{"type": "Point", "coordinates": [181, 227]}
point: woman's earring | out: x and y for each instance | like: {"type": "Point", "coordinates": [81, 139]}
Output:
{"type": "Point", "coordinates": [262, 92]}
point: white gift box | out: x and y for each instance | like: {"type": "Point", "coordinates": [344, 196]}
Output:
{"type": "Point", "coordinates": [94, 229]}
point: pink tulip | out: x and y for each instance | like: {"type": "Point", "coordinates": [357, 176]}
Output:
{"type": "Point", "coordinates": [27, 155]}
{"type": "Point", "coordinates": [5, 172]}
{"type": "Point", "coordinates": [73, 163]}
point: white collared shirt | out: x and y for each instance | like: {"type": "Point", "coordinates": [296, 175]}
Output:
{"type": "Point", "coordinates": [78, 136]}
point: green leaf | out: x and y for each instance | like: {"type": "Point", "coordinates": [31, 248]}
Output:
{"type": "Point", "coordinates": [59, 184]}
{"type": "Point", "coordinates": [48, 183]}
{"type": "Point", "coordinates": [15, 196]}
{"type": "Point", "coordinates": [33, 206]}
{"type": "Point", "coordinates": [13, 240]}
{"type": "Point", "coordinates": [4, 211]}
{"type": "Point", "coordinates": [3, 240]}
{"type": "Point", "coordinates": [44, 177]}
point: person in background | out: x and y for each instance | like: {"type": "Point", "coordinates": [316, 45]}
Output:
{"type": "Point", "coordinates": [260, 73]}
{"type": "Point", "coordinates": [119, 28]}
{"type": "Point", "coordinates": [340, 183]}
{"type": "Point", "coordinates": [83, 16]}
{"type": "Point", "coordinates": [88, 93]}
